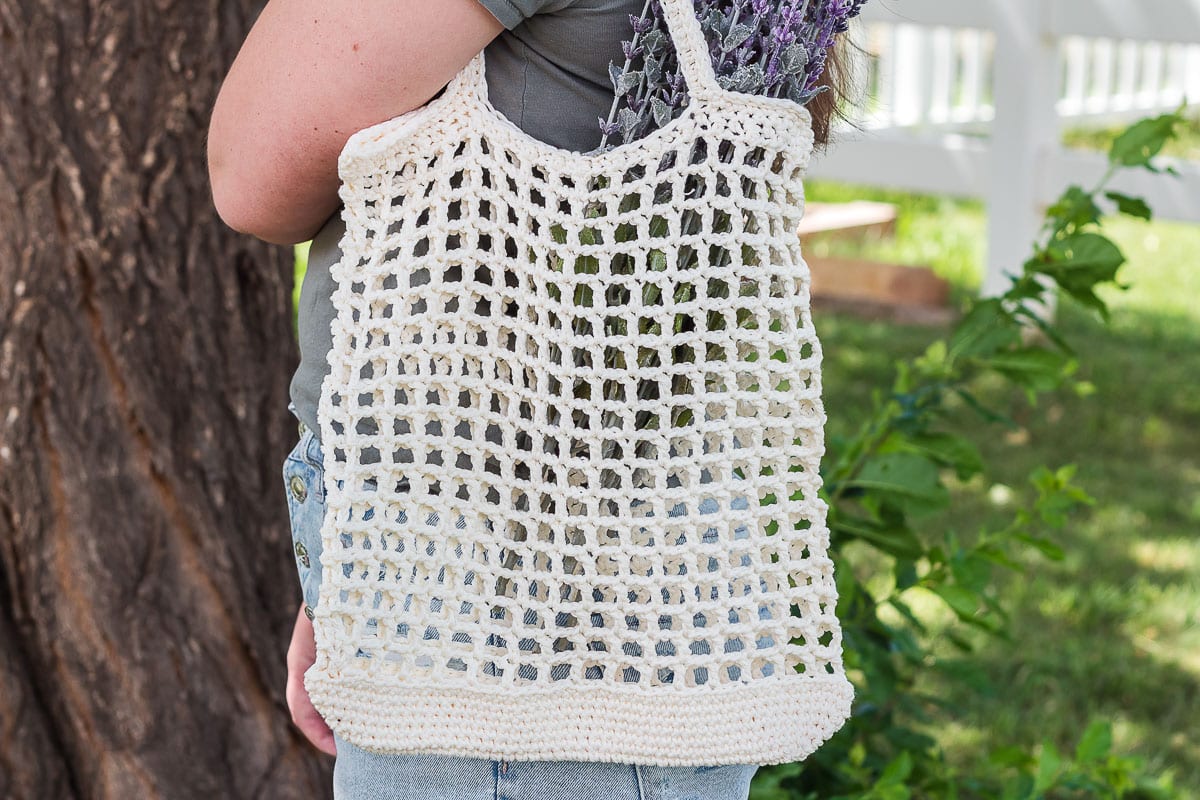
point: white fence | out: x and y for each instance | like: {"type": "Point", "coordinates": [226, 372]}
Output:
{"type": "Point", "coordinates": [949, 71]}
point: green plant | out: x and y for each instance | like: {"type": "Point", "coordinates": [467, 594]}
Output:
{"type": "Point", "coordinates": [892, 473]}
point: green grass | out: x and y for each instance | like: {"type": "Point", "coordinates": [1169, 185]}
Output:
{"type": "Point", "coordinates": [1114, 630]}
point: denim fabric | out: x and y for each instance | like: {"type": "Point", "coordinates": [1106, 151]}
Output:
{"type": "Point", "coordinates": [361, 774]}
{"type": "Point", "coordinates": [303, 479]}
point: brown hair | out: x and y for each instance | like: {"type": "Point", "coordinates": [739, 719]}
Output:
{"type": "Point", "coordinates": [830, 105]}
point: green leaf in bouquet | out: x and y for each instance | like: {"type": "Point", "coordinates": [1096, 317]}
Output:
{"type": "Point", "coordinates": [587, 265]}
{"type": "Point", "coordinates": [627, 80]}
{"type": "Point", "coordinates": [737, 34]}
{"type": "Point", "coordinates": [583, 295]}
{"type": "Point", "coordinates": [660, 110]}
{"type": "Point", "coordinates": [746, 318]}
{"type": "Point", "coordinates": [659, 226]}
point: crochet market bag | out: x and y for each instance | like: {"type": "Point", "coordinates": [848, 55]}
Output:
{"type": "Point", "coordinates": [572, 431]}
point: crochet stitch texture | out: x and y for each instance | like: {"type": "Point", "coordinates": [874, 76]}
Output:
{"type": "Point", "coordinates": [572, 429]}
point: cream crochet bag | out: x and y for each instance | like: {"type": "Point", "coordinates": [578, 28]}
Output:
{"type": "Point", "coordinates": [572, 431]}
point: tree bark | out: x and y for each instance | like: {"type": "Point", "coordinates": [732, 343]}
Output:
{"type": "Point", "coordinates": [145, 353]}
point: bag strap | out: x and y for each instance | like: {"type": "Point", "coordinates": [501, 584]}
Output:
{"type": "Point", "coordinates": [691, 46]}
{"type": "Point", "coordinates": [686, 34]}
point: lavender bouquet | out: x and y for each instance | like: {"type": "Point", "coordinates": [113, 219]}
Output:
{"type": "Point", "coordinates": [775, 48]}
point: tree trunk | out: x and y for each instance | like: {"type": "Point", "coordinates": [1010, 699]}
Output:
{"type": "Point", "coordinates": [145, 352]}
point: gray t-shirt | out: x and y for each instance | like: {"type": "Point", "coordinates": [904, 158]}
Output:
{"type": "Point", "coordinates": [548, 73]}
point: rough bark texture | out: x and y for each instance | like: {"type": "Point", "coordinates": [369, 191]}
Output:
{"type": "Point", "coordinates": [145, 350]}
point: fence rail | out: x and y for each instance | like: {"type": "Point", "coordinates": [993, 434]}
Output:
{"type": "Point", "coordinates": [968, 98]}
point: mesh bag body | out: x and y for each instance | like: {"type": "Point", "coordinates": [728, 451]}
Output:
{"type": "Point", "coordinates": [572, 431]}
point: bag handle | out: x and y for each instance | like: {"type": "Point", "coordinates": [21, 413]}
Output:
{"type": "Point", "coordinates": [691, 47]}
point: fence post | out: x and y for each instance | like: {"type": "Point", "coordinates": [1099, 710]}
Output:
{"type": "Point", "coordinates": [1025, 132]}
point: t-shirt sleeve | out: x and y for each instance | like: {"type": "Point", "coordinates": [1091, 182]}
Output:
{"type": "Point", "coordinates": [512, 13]}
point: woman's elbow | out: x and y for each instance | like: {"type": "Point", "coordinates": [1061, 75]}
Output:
{"type": "Point", "coordinates": [233, 205]}
{"type": "Point", "coordinates": [239, 207]}
{"type": "Point", "coordinates": [249, 200]}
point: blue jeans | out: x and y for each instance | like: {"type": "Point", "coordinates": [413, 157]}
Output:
{"type": "Point", "coordinates": [361, 774]}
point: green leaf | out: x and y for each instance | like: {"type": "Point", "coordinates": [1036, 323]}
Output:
{"type": "Point", "coordinates": [1010, 755]}
{"type": "Point", "coordinates": [897, 769]}
{"type": "Point", "coordinates": [961, 600]}
{"type": "Point", "coordinates": [949, 449]}
{"type": "Point", "coordinates": [909, 480]}
{"type": "Point", "coordinates": [1095, 742]}
{"type": "Point", "coordinates": [907, 613]}
{"type": "Point", "coordinates": [1080, 262]}
{"type": "Point", "coordinates": [986, 328]}
{"type": "Point", "coordinates": [997, 555]}
{"type": "Point", "coordinates": [1047, 547]}
{"type": "Point", "coordinates": [737, 34]}
{"type": "Point", "coordinates": [1057, 495]}
{"type": "Point", "coordinates": [1035, 368]}
{"type": "Point", "coordinates": [1049, 763]}
{"type": "Point", "coordinates": [1076, 208]}
{"type": "Point", "coordinates": [989, 414]}
{"type": "Point", "coordinates": [1045, 327]}
{"type": "Point", "coordinates": [971, 571]}
{"type": "Point", "coordinates": [1133, 206]}
{"type": "Point", "coordinates": [967, 671]}
{"type": "Point", "coordinates": [628, 80]}
{"type": "Point", "coordinates": [898, 541]}
{"type": "Point", "coordinates": [1144, 140]}
{"type": "Point", "coordinates": [1084, 259]}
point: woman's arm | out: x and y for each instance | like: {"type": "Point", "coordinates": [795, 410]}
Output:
{"type": "Point", "coordinates": [310, 74]}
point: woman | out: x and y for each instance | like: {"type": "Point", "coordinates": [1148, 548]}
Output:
{"type": "Point", "coordinates": [309, 76]}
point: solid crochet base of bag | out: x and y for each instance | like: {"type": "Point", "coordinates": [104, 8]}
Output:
{"type": "Point", "coordinates": [768, 722]}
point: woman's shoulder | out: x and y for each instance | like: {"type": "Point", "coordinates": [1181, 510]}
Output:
{"type": "Point", "coordinates": [513, 12]}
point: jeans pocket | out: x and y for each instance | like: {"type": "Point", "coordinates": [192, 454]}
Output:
{"type": "Point", "coordinates": [722, 782]}
{"type": "Point", "coordinates": [303, 480]}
